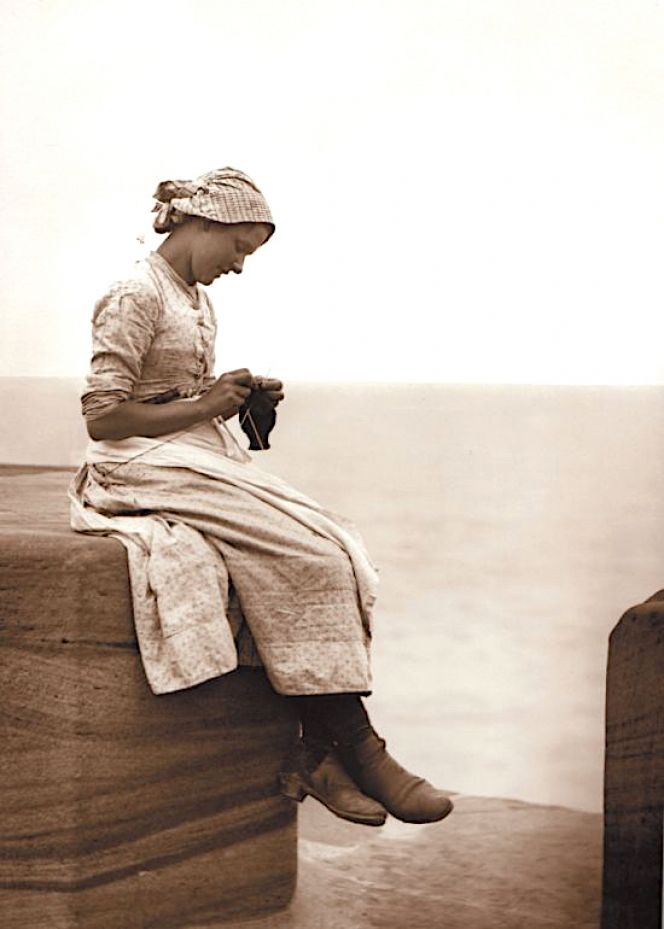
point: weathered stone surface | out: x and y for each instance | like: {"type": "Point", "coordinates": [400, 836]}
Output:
{"type": "Point", "coordinates": [634, 770]}
{"type": "Point", "coordinates": [122, 810]}
{"type": "Point", "coordinates": [493, 864]}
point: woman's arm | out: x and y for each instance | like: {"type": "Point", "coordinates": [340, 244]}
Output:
{"type": "Point", "coordinates": [131, 417]}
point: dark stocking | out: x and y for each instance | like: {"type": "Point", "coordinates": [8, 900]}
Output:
{"type": "Point", "coordinates": [328, 718]}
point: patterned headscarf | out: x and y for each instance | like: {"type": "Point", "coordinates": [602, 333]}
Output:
{"type": "Point", "coordinates": [225, 195]}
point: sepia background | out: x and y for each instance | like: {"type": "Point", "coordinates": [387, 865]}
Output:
{"type": "Point", "coordinates": [463, 298]}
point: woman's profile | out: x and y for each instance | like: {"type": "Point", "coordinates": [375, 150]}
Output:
{"type": "Point", "coordinates": [228, 564]}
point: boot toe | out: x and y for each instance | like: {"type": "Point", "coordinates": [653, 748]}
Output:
{"type": "Point", "coordinates": [354, 806]}
{"type": "Point", "coordinates": [425, 805]}
{"type": "Point", "coordinates": [405, 796]}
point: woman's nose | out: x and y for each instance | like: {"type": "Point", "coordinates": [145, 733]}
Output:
{"type": "Point", "coordinates": [237, 265]}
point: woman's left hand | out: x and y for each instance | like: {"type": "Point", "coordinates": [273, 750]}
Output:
{"type": "Point", "coordinates": [273, 388]}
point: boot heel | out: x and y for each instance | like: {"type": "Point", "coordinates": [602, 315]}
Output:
{"type": "Point", "coordinates": [291, 786]}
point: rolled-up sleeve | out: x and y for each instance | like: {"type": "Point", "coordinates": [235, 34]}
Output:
{"type": "Point", "coordinates": [123, 328]}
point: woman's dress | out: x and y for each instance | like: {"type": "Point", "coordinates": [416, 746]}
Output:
{"type": "Point", "coordinates": [228, 564]}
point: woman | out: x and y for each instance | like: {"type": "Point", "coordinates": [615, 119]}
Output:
{"type": "Point", "coordinates": [228, 564]}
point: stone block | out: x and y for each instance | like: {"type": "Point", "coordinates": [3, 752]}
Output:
{"type": "Point", "coordinates": [634, 770]}
{"type": "Point", "coordinates": [122, 809]}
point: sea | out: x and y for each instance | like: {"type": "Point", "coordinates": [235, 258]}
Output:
{"type": "Point", "coordinates": [512, 527]}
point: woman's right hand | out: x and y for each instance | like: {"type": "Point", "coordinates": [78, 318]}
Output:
{"type": "Point", "coordinates": [228, 393]}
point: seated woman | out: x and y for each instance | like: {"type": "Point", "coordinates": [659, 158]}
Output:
{"type": "Point", "coordinates": [229, 564]}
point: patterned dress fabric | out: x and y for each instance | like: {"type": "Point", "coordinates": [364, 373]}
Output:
{"type": "Point", "coordinates": [228, 564]}
{"type": "Point", "coordinates": [150, 333]}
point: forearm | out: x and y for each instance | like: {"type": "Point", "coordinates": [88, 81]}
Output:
{"type": "Point", "coordinates": [147, 419]}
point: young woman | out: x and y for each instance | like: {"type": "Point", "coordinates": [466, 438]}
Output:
{"type": "Point", "coordinates": [228, 564]}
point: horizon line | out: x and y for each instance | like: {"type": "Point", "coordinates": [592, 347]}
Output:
{"type": "Point", "coordinates": [373, 382]}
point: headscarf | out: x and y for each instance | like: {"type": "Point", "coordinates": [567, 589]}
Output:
{"type": "Point", "coordinates": [225, 195]}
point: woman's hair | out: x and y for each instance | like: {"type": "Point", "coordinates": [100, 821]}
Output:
{"type": "Point", "coordinates": [224, 196]}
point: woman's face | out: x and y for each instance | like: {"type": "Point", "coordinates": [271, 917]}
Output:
{"type": "Point", "coordinates": [219, 249]}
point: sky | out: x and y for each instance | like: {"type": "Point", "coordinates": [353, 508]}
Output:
{"type": "Point", "coordinates": [465, 191]}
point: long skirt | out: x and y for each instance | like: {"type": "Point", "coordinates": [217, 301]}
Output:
{"type": "Point", "coordinates": [193, 537]}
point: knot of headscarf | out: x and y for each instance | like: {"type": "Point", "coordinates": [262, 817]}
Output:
{"type": "Point", "coordinates": [225, 195]}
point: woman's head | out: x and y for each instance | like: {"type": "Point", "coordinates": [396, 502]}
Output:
{"type": "Point", "coordinates": [215, 221]}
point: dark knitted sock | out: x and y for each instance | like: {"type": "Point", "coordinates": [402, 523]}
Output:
{"type": "Point", "coordinates": [330, 718]}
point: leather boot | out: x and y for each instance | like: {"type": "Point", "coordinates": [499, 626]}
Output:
{"type": "Point", "coordinates": [407, 797]}
{"type": "Point", "coordinates": [318, 773]}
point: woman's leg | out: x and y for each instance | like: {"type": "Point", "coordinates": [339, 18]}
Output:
{"type": "Point", "coordinates": [299, 596]}
{"type": "Point", "coordinates": [341, 721]}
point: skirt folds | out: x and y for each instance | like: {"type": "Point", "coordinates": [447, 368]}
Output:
{"type": "Point", "coordinates": [216, 569]}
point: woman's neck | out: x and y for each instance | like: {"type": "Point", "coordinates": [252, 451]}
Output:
{"type": "Point", "coordinates": [178, 257]}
